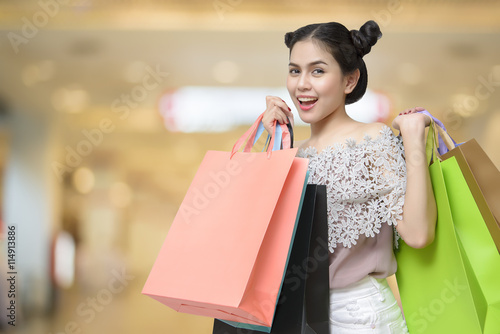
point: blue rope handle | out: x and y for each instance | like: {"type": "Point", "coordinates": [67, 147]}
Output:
{"type": "Point", "coordinates": [278, 136]}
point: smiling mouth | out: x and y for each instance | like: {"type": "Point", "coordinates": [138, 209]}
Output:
{"type": "Point", "coordinates": [307, 101]}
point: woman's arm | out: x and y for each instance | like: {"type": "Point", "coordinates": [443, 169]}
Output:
{"type": "Point", "coordinates": [419, 211]}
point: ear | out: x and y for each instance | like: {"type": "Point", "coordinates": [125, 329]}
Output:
{"type": "Point", "coordinates": [351, 80]}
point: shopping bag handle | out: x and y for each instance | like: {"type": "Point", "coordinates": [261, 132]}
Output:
{"type": "Point", "coordinates": [431, 151]}
{"type": "Point", "coordinates": [280, 137]}
{"type": "Point", "coordinates": [445, 142]}
{"type": "Point", "coordinates": [255, 136]}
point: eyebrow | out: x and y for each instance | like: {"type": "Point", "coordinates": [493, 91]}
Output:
{"type": "Point", "coordinates": [310, 64]}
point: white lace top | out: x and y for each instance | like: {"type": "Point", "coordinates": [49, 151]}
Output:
{"type": "Point", "coordinates": [366, 183]}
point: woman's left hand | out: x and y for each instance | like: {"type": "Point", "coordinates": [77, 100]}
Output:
{"type": "Point", "coordinates": [411, 117]}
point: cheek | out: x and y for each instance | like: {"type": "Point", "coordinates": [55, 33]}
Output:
{"type": "Point", "coordinates": [328, 87]}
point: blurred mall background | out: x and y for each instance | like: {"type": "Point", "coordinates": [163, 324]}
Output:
{"type": "Point", "coordinates": [107, 108]}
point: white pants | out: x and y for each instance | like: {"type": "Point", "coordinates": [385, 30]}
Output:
{"type": "Point", "coordinates": [367, 306]}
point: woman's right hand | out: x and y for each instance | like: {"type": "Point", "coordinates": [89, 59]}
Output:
{"type": "Point", "coordinates": [276, 109]}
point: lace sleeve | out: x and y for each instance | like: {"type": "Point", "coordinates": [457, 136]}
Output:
{"type": "Point", "coordinates": [392, 182]}
{"type": "Point", "coordinates": [389, 175]}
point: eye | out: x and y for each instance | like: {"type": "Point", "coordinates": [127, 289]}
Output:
{"type": "Point", "coordinates": [293, 71]}
{"type": "Point", "coordinates": [318, 71]}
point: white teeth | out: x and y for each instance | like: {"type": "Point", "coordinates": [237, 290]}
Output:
{"type": "Point", "coordinates": [307, 99]}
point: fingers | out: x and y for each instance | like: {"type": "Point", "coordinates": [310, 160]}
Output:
{"type": "Point", "coordinates": [274, 101]}
{"type": "Point", "coordinates": [276, 109]}
{"type": "Point", "coordinates": [400, 121]}
{"type": "Point", "coordinates": [411, 111]}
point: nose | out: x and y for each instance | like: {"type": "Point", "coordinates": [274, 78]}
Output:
{"type": "Point", "coordinates": [304, 83]}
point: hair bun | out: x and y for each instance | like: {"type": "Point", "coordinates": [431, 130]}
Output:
{"type": "Point", "coordinates": [366, 37]}
{"type": "Point", "coordinates": [288, 39]}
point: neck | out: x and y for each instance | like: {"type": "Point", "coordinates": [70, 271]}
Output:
{"type": "Point", "coordinates": [331, 124]}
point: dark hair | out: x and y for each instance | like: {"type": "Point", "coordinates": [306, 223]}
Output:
{"type": "Point", "coordinates": [347, 47]}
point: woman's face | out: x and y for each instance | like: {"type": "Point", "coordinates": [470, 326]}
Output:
{"type": "Point", "coordinates": [315, 81]}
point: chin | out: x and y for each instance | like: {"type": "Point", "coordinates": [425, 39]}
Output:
{"type": "Point", "coordinates": [311, 116]}
{"type": "Point", "coordinates": [307, 117]}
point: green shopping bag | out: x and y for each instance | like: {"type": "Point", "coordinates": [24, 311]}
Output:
{"type": "Point", "coordinates": [449, 286]}
{"type": "Point", "coordinates": [477, 245]}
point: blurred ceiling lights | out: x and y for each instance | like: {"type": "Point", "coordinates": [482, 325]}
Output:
{"type": "Point", "coordinates": [215, 109]}
{"type": "Point", "coordinates": [38, 72]}
{"type": "Point", "coordinates": [466, 105]}
{"type": "Point", "coordinates": [71, 99]}
{"type": "Point", "coordinates": [64, 260]}
{"type": "Point", "coordinates": [83, 180]}
{"type": "Point", "coordinates": [238, 14]}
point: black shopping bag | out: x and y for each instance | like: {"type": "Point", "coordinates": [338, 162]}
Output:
{"type": "Point", "coordinates": [303, 306]}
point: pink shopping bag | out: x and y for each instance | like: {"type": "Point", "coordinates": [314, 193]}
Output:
{"type": "Point", "coordinates": [225, 254]}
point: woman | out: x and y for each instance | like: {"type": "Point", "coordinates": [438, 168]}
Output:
{"type": "Point", "coordinates": [378, 184]}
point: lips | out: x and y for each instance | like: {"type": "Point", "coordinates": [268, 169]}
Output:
{"type": "Point", "coordinates": [307, 102]}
